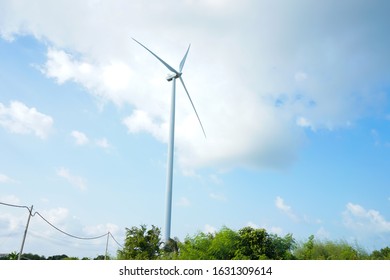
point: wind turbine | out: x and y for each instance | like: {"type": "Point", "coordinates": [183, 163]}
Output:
{"type": "Point", "coordinates": [172, 78]}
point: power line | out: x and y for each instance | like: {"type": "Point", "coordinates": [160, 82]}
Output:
{"type": "Point", "coordinates": [115, 240]}
{"type": "Point", "coordinates": [68, 234]}
{"type": "Point", "coordinates": [16, 206]}
{"type": "Point", "coordinates": [58, 229]}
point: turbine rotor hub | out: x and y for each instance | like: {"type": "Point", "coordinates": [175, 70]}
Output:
{"type": "Point", "coordinates": [172, 76]}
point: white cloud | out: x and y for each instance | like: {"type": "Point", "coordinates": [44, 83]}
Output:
{"type": "Point", "coordinates": [303, 122]}
{"type": "Point", "coordinates": [57, 216]}
{"type": "Point", "coordinates": [141, 121]}
{"type": "Point", "coordinates": [101, 229]}
{"type": "Point", "coordinates": [4, 179]}
{"type": "Point", "coordinates": [184, 202]}
{"type": "Point", "coordinates": [253, 225]}
{"type": "Point", "coordinates": [74, 180]}
{"type": "Point", "coordinates": [103, 143]}
{"type": "Point", "coordinates": [270, 229]}
{"type": "Point", "coordinates": [358, 218]}
{"type": "Point", "coordinates": [323, 233]}
{"type": "Point", "coordinates": [281, 205]}
{"type": "Point", "coordinates": [300, 76]}
{"type": "Point", "coordinates": [79, 137]}
{"type": "Point", "coordinates": [108, 81]}
{"type": "Point", "coordinates": [248, 94]}
{"type": "Point", "coordinates": [275, 230]}
{"type": "Point", "coordinates": [116, 76]}
{"type": "Point", "coordinates": [11, 199]}
{"type": "Point", "coordinates": [18, 118]}
{"type": "Point", "coordinates": [216, 179]}
{"type": "Point", "coordinates": [11, 222]}
{"type": "Point", "coordinates": [218, 196]}
{"type": "Point", "coordinates": [59, 65]}
{"type": "Point", "coordinates": [209, 229]}
{"type": "Point", "coordinates": [82, 139]}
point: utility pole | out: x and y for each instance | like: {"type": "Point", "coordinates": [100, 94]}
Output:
{"type": "Point", "coordinates": [108, 236]}
{"type": "Point", "coordinates": [25, 231]}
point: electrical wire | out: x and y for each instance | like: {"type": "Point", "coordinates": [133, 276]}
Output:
{"type": "Point", "coordinates": [68, 234]}
{"type": "Point", "coordinates": [60, 230]}
{"type": "Point", "coordinates": [16, 206]}
{"type": "Point", "coordinates": [115, 240]}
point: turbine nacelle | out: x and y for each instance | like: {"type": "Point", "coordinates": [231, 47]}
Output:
{"type": "Point", "coordinates": [172, 76]}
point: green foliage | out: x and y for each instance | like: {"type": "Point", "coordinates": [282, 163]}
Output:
{"type": "Point", "coordinates": [207, 246]}
{"type": "Point", "coordinates": [58, 257]}
{"type": "Point", "coordinates": [257, 244]}
{"type": "Point", "coordinates": [29, 256]}
{"type": "Point", "coordinates": [170, 250]}
{"type": "Point", "coordinates": [102, 257]}
{"type": "Point", "coordinates": [253, 244]}
{"type": "Point", "coordinates": [329, 250]}
{"type": "Point", "coordinates": [11, 256]}
{"type": "Point", "coordinates": [224, 244]}
{"type": "Point", "coordinates": [282, 247]}
{"type": "Point", "coordinates": [141, 244]}
{"type": "Point", "coordinates": [382, 254]}
{"type": "Point", "coordinates": [246, 244]}
{"type": "Point", "coordinates": [196, 248]}
{"type": "Point", "coordinates": [305, 251]}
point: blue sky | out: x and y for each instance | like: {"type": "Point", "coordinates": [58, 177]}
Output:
{"type": "Point", "coordinates": [294, 98]}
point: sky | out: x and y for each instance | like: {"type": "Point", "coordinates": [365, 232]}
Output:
{"type": "Point", "coordinates": [293, 97]}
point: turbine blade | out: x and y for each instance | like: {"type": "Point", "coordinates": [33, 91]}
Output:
{"type": "Point", "coordinates": [184, 59]}
{"type": "Point", "coordinates": [189, 97]}
{"type": "Point", "coordinates": [162, 61]}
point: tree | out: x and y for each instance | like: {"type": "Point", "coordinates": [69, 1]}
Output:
{"type": "Point", "coordinates": [221, 245]}
{"type": "Point", "coordinates": [224, 244]}
{"type": "Point", "coordinates": [329, 250]}
{"type": "Point", "coordinates": [382, 254]}
{"type": "Point", "coordinates": [58, 257]}
{"type": "Point", "coordinates": [257, 244]}
{"type": "Point", "coordinates": [305, 250]}
{"type": "Point", "coordinates": [196, 247]}
{"type": "Point", "coordinates": [30, 256]}
{"type": "Point", "coordinates": [102, 257]}
{"type": "Point", "coordinates": [141, 244]}
{"type": "Point", "coordinates": [170, 250]}
{"type": "Point", "coordinates": [246, 244]}
{"type": "Point", "coordinates": [12, 256]}
{"type": "Point", "coordinates": [253, 244]}
{"type": "Point", "coordinates": [282, 247]}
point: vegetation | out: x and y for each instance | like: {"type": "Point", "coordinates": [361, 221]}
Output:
{"type": "Point", "coordinates": [382, 254]}
{"type": "Point", "coordinates": [329, 250]}
{"type": "Point", "coordinates": [247, 243]}
{"type": "Point", "coordinates": [226, 244]}
{"type": "Point", "coordinates": [30, 256]}
{"type": "Point", "coordinates": [141, 244]}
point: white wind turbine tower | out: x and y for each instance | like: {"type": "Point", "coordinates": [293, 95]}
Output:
{"type": "Point", "coordinates": [172, 78]}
